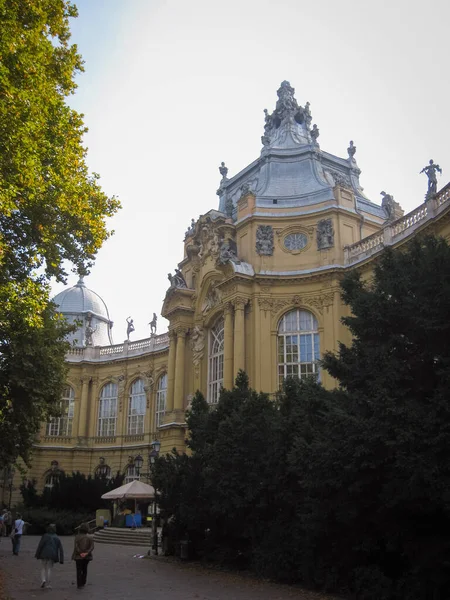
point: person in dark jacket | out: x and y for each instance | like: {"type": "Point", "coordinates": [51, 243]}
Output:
{"type": "Point", "coordinates": [49, 552]}
{"type": "Point", "coordinates": [82, 554]}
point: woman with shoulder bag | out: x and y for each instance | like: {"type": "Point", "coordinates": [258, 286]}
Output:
{"type": "Point", "coordinates": [82, 554]}
{"type": "Point", "coordinates": [16, 534]}
{"type": "Point", "coordinates": [49, 551]}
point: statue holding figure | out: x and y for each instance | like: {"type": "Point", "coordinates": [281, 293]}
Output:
{"type": "Point", "coordinates": [177, 280]}
{"type": "Point", "coordinates": [388, 203]}
{"type": "Point", "coordinates": [130, 327]}
{"type": "Point", "coordinates": [430, 172]}
{"type": "Point", "coordinates": [153, 323]}
{"type": "Point", "coordinates": [89, 330]}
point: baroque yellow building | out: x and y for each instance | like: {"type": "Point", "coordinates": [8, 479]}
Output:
{"type": "Point", "coordinates": [257, 289]}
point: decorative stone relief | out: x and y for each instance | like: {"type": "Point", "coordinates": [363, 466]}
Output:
{"type": "Point", "coordinates": [341, 179]}
{"type": "Point", "coordinates": [177, 280]}
{"type": "Point", "coordinates": [264, 240]}
{"type": "Point", "coordinates": [325, 234]}
{"type": "Point", "coordinates": [213, 298]}
{"type": "Point", "coordinates": [120, 390]}
{"type": "Point", "coordinates": [198, 347]}
{"type": "Point", "coordinates": [239, 303]}
{"type": "Point", "coordinates": [274, 305]}
{"type": "Point", "coordinates": [228, 252]}
{"type": "Point", "coordinates": [229, 207]}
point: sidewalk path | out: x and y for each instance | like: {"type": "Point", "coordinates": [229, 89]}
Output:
{"type": "Point", "coordinates": [115, 574]}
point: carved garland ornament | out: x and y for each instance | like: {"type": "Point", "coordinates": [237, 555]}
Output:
{"type": "Point", "coordinates": [274, 305]}
{"type": "Point", "coordinates": [198, 347]}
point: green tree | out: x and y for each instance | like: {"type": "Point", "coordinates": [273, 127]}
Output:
{"type": "Point", "coordinates": [52, 210]}
{"type": "Point", "coordinates": [391, 441]}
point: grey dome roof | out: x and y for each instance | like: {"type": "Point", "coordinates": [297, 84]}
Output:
{"type": "Point", "coordinates": [79, 303]}
{"type": "Point", "coordinates": [79, 299]}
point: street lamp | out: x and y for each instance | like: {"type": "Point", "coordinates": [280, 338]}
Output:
{"type": "Point", "coordinates": [156, 445]}
{"type": "Point", "coordinates": [138, 462]}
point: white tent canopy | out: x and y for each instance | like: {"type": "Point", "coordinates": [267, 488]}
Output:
{"type": "Point", "coordinates": [135, 489]}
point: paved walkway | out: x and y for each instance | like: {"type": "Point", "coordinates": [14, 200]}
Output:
{"type": "Point", "coordinates": [115, 574]}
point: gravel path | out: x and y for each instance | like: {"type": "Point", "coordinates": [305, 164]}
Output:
{"type": "Point", "coordinates": [116, 574]}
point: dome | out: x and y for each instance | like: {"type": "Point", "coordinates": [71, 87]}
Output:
{"type": "Point", "coordinates": [88, 310]}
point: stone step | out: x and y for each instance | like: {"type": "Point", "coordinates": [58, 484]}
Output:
{"type": "Point", "coordinates": [124, 543]}
{"type": "Point", "coordinates": [127, 537]}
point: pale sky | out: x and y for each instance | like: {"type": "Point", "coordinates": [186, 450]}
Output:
{"type": "Point", "coordinates": [174, 87]}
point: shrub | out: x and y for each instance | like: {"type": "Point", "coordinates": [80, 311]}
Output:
{"type": "Point", "coordinates": [66, 521]}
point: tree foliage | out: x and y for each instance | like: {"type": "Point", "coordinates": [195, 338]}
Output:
{"type": "Point", "coordinates": [337, 489]}
{"type": "Point", "coordinates": [76, 492]}
{"type": "Point", "coordinates": [52, 210]}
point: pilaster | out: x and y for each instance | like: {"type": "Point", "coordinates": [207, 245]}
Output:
{"type": "Point", "coordinates": [239, 334]}
{"type": "Point", "coordinates": [82, 412]}
{"type": "Point", "coordinates": [178, 400]}
{"type": "Point", "coordinates": [171, 371]}
{"type": "Point", "coordinates": [228, 347]}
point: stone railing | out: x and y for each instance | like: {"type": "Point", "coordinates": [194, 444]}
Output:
{"type": "Point", "coordinates": [399, 229]}
{"type": "Point", "coordinates": [57, 439]}
{"type": "Point", "coordinates": [155, 343]}
{"type": "Point", "coordinates": [121, 441]}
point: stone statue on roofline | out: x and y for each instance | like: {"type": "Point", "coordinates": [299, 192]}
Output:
{"type": "Point", "coordinates": [223, 170]}
{"type": "Point", "coordinates": [130, 327]}
{"type": "Point", "coordinates": [89, 330]}
{"type": "Point", "coordinates": [177, 280]}
{"type": "Point", "coordinates": [314, 133]}
{"type": "Point", "coordinates": [351, 150]}
{"type": "Point", "coordinates": [153, 324]}
{"type": "Point", "coordinates": [430, 171]}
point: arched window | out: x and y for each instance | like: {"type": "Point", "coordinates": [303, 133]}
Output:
{"type": "Point", "coordinates": [103, 470]}
{"type": "Point", "coordinates": [215, 374]}
{"type": "Point", "coordinates": [62, 426]}
{"type": "Point", "coordinates": [52, 476]}
{"type": "Point", "coordinates": [131, 474]}
{"type": "Point", "coordinates": [161, 395]}
{"type": "Point", "coordinates": [107, 410]}
{"type": "Point", "coordinates": [136, 411]}
{"type": "Point", "coordinates": [298, 345]}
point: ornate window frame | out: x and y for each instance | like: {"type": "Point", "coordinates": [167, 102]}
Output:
{"type": "Point", "coordinates": [137, 403]}
{"type": "Point", "coordinates": [281, 235]}
{"type": "Point", "coordinates": [108, 410]}
{"type": "Point", "coordinates": [52, 475]}
{"type": "Point", "coordinates": [62, 426]}
{"type": "Point", "coordinates": [298, 345]}
{"type": "Point", "coordinates": [131, 474]}
{"type": "Point", "coordinates": [160, 400]}
{"type": "Point", "coordinates": [216, 337]}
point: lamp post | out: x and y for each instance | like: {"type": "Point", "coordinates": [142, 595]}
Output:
{"type": "Point", "coordinates": [156, 445]}
{"type": "Point", "coordinates": [138, 462]}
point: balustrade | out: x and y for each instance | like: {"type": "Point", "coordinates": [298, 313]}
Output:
{"type": "Point", "coordinates": [399, 229]}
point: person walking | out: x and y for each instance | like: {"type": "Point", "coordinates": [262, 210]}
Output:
{"type": "Point", "coordinates": [82, 553]}
{"type": "Point", "coordinates": [49, 552]}
{"type": "Point", "coordinates": [16, 534]}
